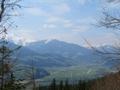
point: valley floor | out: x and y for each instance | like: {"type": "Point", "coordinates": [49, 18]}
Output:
{"type": "Point", "coordinates": [108, 82]}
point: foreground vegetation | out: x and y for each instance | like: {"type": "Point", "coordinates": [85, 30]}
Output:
{"type": "Point", "coordinates": [109, 82]}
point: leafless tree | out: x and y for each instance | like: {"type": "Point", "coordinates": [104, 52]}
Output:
{"type": "Point", "coordinates": [7, 9]}
{"type": "Point", "coordinates": [111, 20]}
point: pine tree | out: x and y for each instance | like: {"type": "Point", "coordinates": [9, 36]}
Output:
{"type": "Point", "coordinates": [39, 88]}
{"type": "Point", "coordinates": [67, 87]}
{"type": "Point", "coordinates": [53, 85]}
{"type": "Point", "coordinates": [13, 84]}
{"type": "Point", "coordinates": [61, 85]}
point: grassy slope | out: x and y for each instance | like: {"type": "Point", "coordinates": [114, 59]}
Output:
{"type": "Point", "coordinates": [75, 73]}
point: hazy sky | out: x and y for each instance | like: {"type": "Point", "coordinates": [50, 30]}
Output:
{"type": "Point", "coordinates": [66, 20]}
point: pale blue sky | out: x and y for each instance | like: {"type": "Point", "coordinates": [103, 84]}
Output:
{"type": "Point", "coordinates": [66, 20]}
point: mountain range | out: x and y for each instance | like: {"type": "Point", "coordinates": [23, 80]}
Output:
{"type": "Point", "coordinates": [59, 54]}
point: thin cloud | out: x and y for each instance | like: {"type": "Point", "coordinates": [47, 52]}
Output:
{"type": "Point", "coordinates": [61, 9]}
{"type": "Point", "coordinates": [49, 26]}
{"type": "Point", "coordinates": [36, 11]}
{"type": "Point", "coordinates": [53, 19]}
{"type": "Point", "coordinates": [106, 39]}
{"type": "Point", "coordinates": [81, 28]}
{"type": "Point", "coordinates": [54, 10]}
{"type": "Point", "coordinates": [83, 2]}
